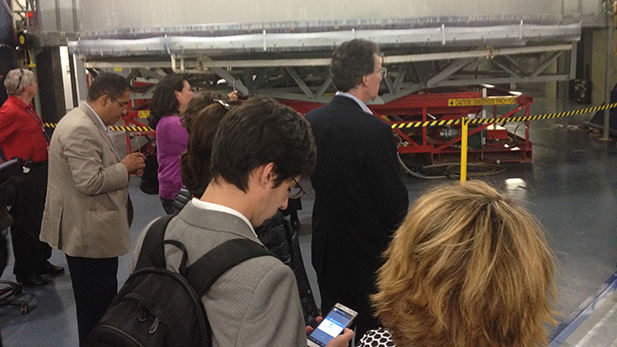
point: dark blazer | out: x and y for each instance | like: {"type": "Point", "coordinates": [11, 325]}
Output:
{"type": "Point", "coordinates": [360, 200]}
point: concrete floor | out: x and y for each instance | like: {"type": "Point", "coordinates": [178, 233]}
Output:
{"type": "Point", "coordinates": [571, 186]}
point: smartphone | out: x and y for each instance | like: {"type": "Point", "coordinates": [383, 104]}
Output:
{"type": "Point", "coordinates": [337, 319]}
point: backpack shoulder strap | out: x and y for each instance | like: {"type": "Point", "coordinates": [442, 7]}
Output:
{"type": "Point", "coordinates": [154, 236]}
{"type": "Point", "coordinates": [207, 269]}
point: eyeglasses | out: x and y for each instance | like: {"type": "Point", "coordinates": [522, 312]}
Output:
{"type": "Point", "coordinates": [383, 72]}
{"type": "Point", "coordinates": [223, 103]}
{"type": "Point", "coordinates": [122, 104]}
{"type": "Point", "coordinates": [296, 191]}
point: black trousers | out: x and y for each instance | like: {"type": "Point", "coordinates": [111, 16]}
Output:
{"type": "Point", "coordinates": [95, 284]}
{"type": "Point", "coordinates": [27, 211]}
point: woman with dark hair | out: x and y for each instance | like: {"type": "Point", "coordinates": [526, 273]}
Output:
{"type": "Point", "coordinates": [170, 99]}
{"type": "Point", "coordinates": [199, 102]}
{"type": "Point", "coordinates": [195, 161]}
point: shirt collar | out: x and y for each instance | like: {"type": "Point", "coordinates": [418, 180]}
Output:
{"type": "Point", "coordinates": [18, 102]}
{"type": "Point", "coordinates": [106, 127]}
{"type": "Point", "coordinates": [358, 101]}
{"type": "Point", "coordinates": [220, 208]}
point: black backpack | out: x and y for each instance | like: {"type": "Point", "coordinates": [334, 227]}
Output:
{"type": "Point", "coordinates": [158, 307]}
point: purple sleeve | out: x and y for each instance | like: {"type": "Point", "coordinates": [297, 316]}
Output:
{"type": "Point", "coordinates": [171, 141]}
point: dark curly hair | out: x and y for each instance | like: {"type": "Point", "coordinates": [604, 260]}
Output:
{"type": "Point", "coordinates": [351, 61]}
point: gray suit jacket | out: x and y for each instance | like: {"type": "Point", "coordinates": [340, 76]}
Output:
{"type": "Point", "coordinates": [87, 194]}
{"type": "Point", "coordinates": [256, 303]}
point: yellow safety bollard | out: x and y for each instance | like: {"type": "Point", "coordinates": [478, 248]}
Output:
{"type": "Point", "coordinates": [464, 130]}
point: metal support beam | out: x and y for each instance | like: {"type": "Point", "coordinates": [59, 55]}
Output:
{"type": "Point", "coordinates": [300, 82]}
{"type": "Point", "coordinates": [148, 73]}
{"type": "Point", "coordinates": [324, 86]}
{"type": "Point", "coordinates": [483, 53]}
{"type": "Point", "coordinates": [448, 71]}
{"type": "Point", "coordinates": [610, 27]}
{"type": "Point", "coordinates": [504, 80]}
{"type": "Point", "coordinates": [474, 65]}
{"type": "Point", "coordinates": [515, 63]}
{"type": "Point", "coordinates": [405, 90]}
{"type": "Point", "coordinates": [573, 55]}
{"type": "Point", "coordinates": [546, 64]}
{"type": "Point", "coordinates": [260, 79]}
{"type": "Point", "coordinates": [505, 68]}
{"type": "Point", "coordinates": [389, 84]}
{"type": "Point", "coordinates": [80, 74]}
{"type": "Point", "coordinates": [400, 77]}
{"type": "Point", "coordinates": [228, 77]}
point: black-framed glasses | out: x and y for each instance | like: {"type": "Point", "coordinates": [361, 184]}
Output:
{"type": "Point", "coordinates": [296, 191]}
{"type": "Point", "coordinates": [223, 103]}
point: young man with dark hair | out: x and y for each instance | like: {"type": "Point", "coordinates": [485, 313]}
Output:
{"type": "Point", "coordinates": [359, 196]}
{"type": "Point", "coordinates": [261, 150]}
{"type": "Point", "coordinates": [86, 212]}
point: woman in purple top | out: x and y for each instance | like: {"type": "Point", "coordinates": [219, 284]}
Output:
{"type": "Point", "coordinates": [171, 97]}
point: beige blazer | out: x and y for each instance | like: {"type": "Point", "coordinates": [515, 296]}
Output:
{"type": "Point", "coordinates": [87, 193]}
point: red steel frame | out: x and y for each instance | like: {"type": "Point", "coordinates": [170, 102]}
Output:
{"type": "Point", "coordinates": [419, 140]}
{"type": "Point", "coordinates": [132, 119]}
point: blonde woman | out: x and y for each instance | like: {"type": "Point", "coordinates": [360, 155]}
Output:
{"type": "Point", "coordinates": [468, 267]}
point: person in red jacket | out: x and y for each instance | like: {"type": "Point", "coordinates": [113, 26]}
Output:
{"type": "Point", "coordinates": [22, 135]}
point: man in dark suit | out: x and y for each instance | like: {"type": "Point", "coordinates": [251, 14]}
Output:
{"type": "Point", "coordinates": [359, 196]}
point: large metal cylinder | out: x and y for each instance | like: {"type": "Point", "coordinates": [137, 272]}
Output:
{"type": "Point", "coordinates": [110, 15]}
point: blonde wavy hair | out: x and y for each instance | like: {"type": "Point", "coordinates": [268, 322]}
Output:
{"type": "Point", "coordinates": [468, 267]}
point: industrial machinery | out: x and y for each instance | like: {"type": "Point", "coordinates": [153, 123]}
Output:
{"type": "Point", "coordinates": [427, 125]}
{"type": "Point", "coordinates": [438, 138]}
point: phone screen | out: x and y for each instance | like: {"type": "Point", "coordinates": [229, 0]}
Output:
{"type": "Point", "coordinates": [330, 327]}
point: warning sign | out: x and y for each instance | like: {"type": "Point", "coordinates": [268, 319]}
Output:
{"type": "Point", "coordinates": [504, 100]}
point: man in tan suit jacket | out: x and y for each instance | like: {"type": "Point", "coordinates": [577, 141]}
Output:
{"type": "Point", "coordinates": [87, 197]}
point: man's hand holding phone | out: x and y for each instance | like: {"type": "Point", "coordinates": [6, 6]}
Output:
{"type": "Point", "coordinates": [332, 331]}
{"type": "Point", "coordinates": [340, 341]}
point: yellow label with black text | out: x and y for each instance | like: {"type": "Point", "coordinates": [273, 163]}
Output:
{"type": "Point", "coordinates": [498, 100]}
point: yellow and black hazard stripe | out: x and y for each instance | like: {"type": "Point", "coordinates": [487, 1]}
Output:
{"type": "Point", "coordinates": [115, 127]}
{"type": "Point", "coordinates": [432, 123]}
{"type": "Point", "coordinates": [132, 128]}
